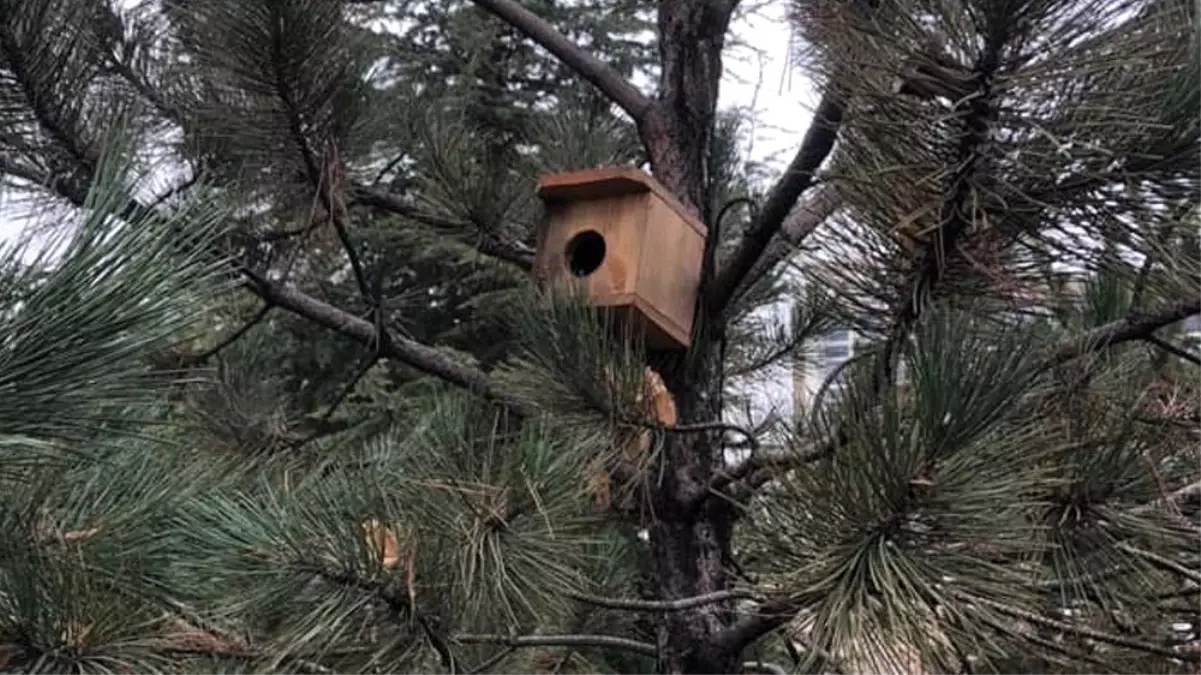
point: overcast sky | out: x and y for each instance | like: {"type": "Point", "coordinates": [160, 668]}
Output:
{"type": "Point", "coordinates": [757, 78]}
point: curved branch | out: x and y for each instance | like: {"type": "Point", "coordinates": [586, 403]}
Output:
{"type": "Point", "coordinates": [768, 618]}
{"type": "Point", "coordinates": [233, 337]}
{"type": "Point", "coordinates": [600, 74]}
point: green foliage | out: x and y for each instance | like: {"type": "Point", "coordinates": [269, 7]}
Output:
{"type": "Point", "coordinates": [89, 307]}
{"type": "Point", "coordinates": [1010, 175]}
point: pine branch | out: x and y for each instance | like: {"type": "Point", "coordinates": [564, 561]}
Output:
{"type": "Point", "coordinates": [518, 641]}
{"type": "Point", "coordinates": [492, 661]}
{"type": "Point", "coordinates": [821, 202]}
{"type": "Point", "coordinates": [1135, 327]}
{"type": "Point", "coordinates": [1165, 564]}
{"type": "Point", "coordinates": [1082, 631]}
{"type": "Point", "coordinates": [242, 654]}
{"type": "Point", "coordinates": [756, 468]}
{"type": "Point", "coordinates": [515, 253]}
{"type": "Point", "coordinates": [602, 76]}
{"type": "Point", "coordinates": [1175, 497]}
{"type": "Point", "coordinates": [797, 178]}
{"type": "Point", "coordinates": [42, 106]}
{"type": "Point", "coordinates": [422, 357]}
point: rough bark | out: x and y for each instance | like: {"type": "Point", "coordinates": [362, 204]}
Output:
{"type": "Point", "coordinates": [690, 534]}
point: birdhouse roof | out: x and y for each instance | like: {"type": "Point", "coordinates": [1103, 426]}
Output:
{"type": "Point", "coordinates": [608, 182]}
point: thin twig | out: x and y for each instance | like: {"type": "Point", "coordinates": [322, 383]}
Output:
{"type": "Point", "coordinates": [1046, 644]}
{"type": "Point", "coordinates": [582, 640]}
{"type": "Point", "coordinates": [516, 253]}
{"type": "Point", "coordinates": [1083, 631]}
{"type": "Point", "coordinates": [764, 667]}
{"type": "Point", "coordinates": [490, 662]}
{"type": "Point", "coordinates": [233, 337]}
{"type": "Point", "coordinates": [1166, 564]}
{"type": "Point", "coordinates": [636, 605]}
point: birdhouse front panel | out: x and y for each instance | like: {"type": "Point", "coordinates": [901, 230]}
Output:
{"type": "Point", "coordinates": [629, 243]}
{"type": "Point", "coordinates": [595, 244]}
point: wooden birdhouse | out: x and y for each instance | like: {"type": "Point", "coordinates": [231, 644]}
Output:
{"type": "Point", "coordinates": [632, 247]}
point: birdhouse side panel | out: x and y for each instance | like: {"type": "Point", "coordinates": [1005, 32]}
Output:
{"type": "Point", "coordinates": [596, 244]}
{"type": "Point", "coordinates": [670, 269]}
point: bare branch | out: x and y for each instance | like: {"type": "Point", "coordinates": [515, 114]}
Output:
{"type": "Point", "coordinates": [801, 222]}
{"type": "Point", "coordinates": [661, 605]}
{"type": "Point", "coordinates": [421, 357]}
{"type": "Point", "coordinates": [517, 641]}
{"type": "Point", "coordinates": [797, 178]}
{"type": "Point", "coordinates": [601, 75]}
{"type": "Point", "coordinates": [1166, 564]}
{"type": "Point", "coordinates": [1172, 349]}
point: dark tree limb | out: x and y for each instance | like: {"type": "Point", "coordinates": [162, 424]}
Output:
{"type": "Point", "coordinates": [815, 147]}
{"type": "Point", "coordinates": [1136, 327]}
{"type": "Point", "coordinates": [1172, 349]}
{"type": "Point", "coordinates": [600, 74]}
{"type": "Point", "coordinates": [818, 205]}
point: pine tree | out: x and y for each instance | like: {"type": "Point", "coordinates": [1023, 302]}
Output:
{"type": "Point", "coordinates": [281, 396]}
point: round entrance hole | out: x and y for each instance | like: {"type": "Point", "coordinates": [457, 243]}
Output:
{"type": "Point", "coordinates": [585, 253]}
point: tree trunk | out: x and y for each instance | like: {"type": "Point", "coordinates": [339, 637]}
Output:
{"type": "Point", "coordinates": [690, 532]}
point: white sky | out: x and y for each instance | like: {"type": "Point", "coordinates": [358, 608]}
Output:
{"type": "Point", "coordinates": [760, 77]}
{"type": "Point", "coordinates": [757, 78]}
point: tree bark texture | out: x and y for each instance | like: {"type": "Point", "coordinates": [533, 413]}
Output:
{"type": "Point", "coordinates": [690, 532]}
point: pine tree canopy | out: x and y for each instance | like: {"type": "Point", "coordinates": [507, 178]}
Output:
{"type": "Point", "coordinates": [281, 395]}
